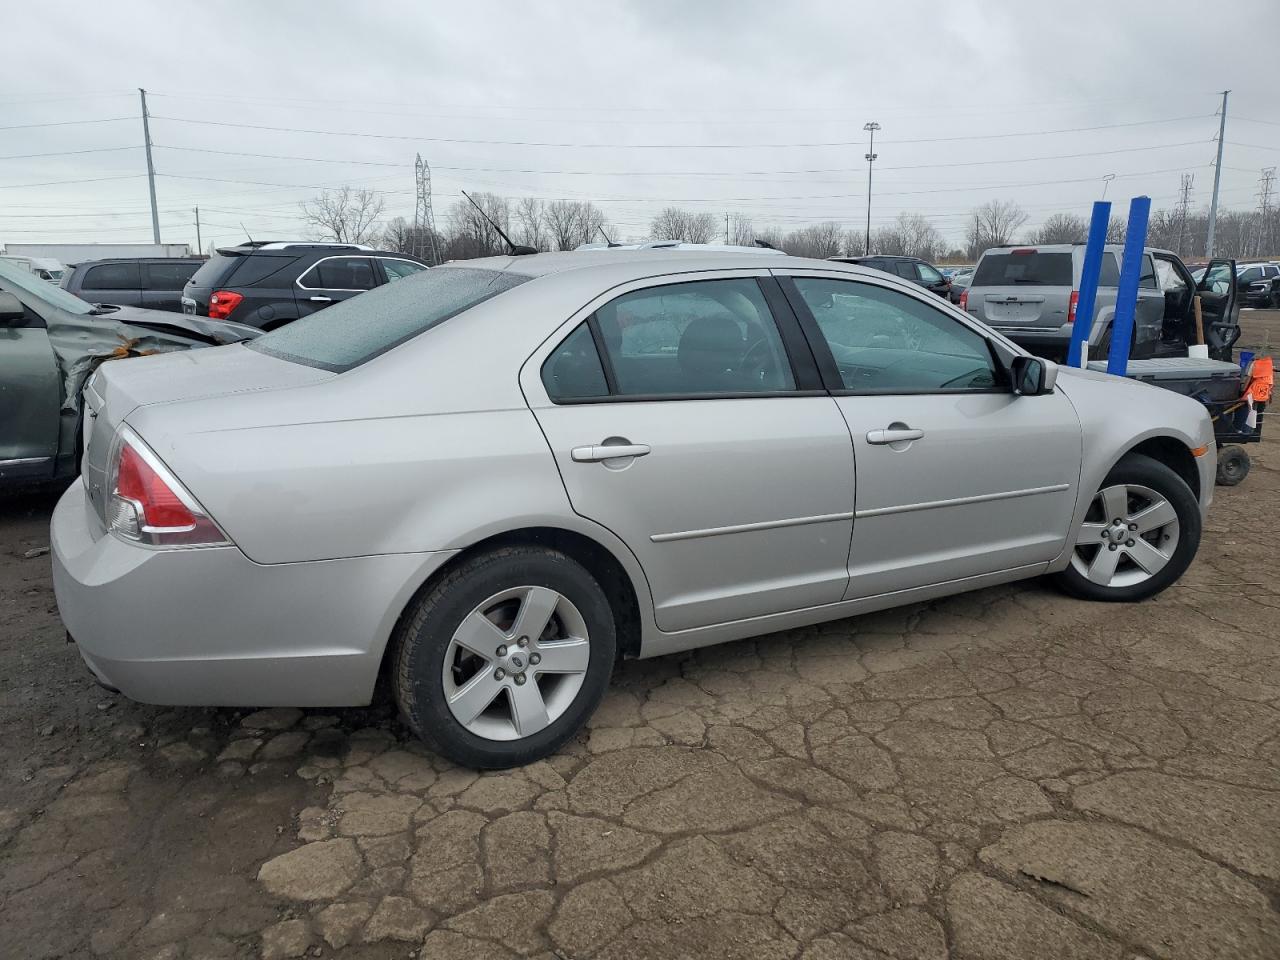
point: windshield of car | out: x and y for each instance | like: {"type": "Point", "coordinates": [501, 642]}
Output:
{"type": "Point", "coordinates": [14, 278]}
{"type": "Point", "coordinates": [357, 330]}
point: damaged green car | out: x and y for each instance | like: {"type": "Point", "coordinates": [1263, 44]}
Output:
{"type": "Point", "coordinates": [50, 343]}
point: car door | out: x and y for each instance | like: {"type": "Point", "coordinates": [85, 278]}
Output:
{"type": "Point", "coordinates": [333, 279]}
{"type": "Point", "coordinates": [162, 283]}
{"type": "Point", "coordinates": [957, 476]}
{"type": "Point", "coordinates": [118, 283]}
{"type": "Point", "coordinates": [686, 416]}
{"type": "Point", "coordinates": [30, 386]}
{"type": "Point", "coordinates": [1219, 307]}
{"type": "Point", "coordinates": [933, 281]}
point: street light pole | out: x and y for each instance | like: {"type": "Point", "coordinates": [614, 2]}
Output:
{"type": "Point", "coordinates": [871, 128]}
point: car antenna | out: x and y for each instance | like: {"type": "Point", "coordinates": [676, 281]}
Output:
{"type": "Point", "coordinates": [246, 232]}
{"type": "Point", "coordinates": [606, 237]}
{"type": "Point", "coordinates": [764, 243]}
{"type": "Point", "coordinates": [514, 249]}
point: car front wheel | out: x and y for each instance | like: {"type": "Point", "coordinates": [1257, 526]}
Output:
{"type": "Point", "coordinates": [505, 658]}
{"type": "Point", "coordinates": [1139, 535]}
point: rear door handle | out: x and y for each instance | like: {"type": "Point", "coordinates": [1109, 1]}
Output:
{"type": "Point", "coordinates": [321, 299]}
{"type": "Point", "coordinates": [893, 435]}
{"type": "Point", "coordinates": [605, 451]}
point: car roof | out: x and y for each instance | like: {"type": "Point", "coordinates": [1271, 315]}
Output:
{"type": "Point", "coordinates": [875, 256]}
{"type": "Point", "coordinates": [644, 262]}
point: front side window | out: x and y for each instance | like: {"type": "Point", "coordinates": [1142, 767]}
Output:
{"type": "Point", "coordinates": [1170, 278]}
{"type": "Point", "coordinates": [113, 276]}
{"type": "Point", "coordinates": [399, 269]}
{"type": "Point", "coordinates": [702, 338]}
{"type": "Point", "coordinates": [1251, 274]}
{"type": "Point", "coordinates": [884, 341]}
{"type": "Point", "coordinates": [928, 274]}
{"type": "Point", "coordinates": [340, 273]}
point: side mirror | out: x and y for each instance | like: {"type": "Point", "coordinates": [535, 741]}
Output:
{"type": "Point", "coordinates": [1033, 376]}
{"type": "Point", "coordinates": [11, 309]}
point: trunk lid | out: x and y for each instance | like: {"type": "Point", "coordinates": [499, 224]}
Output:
{"type": "Point", "coordinates": [118, 388]}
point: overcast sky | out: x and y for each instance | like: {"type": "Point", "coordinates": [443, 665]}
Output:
{"type": "Point", "coordinates": [753, 108]}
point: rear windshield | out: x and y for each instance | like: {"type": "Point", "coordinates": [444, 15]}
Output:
{"type": "Point", "coordinates": [356, 330]}
{"type": "Point", "coordinates": [1024, 269]}
{"type": "Point", "coordinates": [241, 270]}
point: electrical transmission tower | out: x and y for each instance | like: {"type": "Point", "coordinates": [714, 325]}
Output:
{"type": "Point", "coordinates": [424, 221]}
{"type": "Point", "coordinates": [1184, 205]}
{"type": "Point", "coordinates": [1266, 230]}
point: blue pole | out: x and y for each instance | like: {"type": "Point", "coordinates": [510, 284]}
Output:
{"type": "Point", "coordinates": [1077, 352]}
{"type": "Point", "coordinates": [1127, 295]}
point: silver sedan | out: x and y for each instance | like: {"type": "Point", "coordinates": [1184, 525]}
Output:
{"type": "Point", "coordinates": [489, 481]}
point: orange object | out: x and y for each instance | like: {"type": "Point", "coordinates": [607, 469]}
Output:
{"type": "Point", "coordinates": [1260, 380]}
{"type": "Point", "coordinates": [1199, 451]}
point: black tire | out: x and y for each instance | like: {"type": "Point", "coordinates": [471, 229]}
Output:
{"type": "Point", "coordinates": [1233, 465]}
{"type": "Point", "coordinates": [424, 633]}
{"type": "Point", "coordinates": [1137, 469]}
{"type": "Point", "coordinates": [1099, 350]}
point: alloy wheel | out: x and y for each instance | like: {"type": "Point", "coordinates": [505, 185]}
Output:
{"type": "Point", "coordinates": [1128, 536]}
{"type": "Point", "coordinates": [516, 662]}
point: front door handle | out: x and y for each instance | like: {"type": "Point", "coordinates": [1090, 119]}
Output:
{"type": "Point", "coordinates": [321, 299]}
{"type": "Point", "coordinates": [894, 435]}
{"type": "Point", "coordinates": [608, 451]}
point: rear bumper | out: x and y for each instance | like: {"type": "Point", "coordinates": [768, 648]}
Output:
{"type": "Point", "coordinates": [210, 627]}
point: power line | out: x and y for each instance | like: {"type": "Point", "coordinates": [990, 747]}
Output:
{"type": "Point", "coordinates": [658, 146]}
{"type": "Point", "coordinates": [56, 183]}
{"type": "Point", "coordinates": [64, 123]}
{"type": "Point", "coordinates": [66, 153]}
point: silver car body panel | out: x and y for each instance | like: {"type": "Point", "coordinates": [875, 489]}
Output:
{"type": "Point", "coordinates": [344, 493]}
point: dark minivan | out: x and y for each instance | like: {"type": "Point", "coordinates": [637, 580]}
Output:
{"type": "Point", "coordinates": [266, 284]}
{"type": "Point", "coordinates": [154, 283]}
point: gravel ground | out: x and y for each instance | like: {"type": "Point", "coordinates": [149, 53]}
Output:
{"type": "Point", "coordinates": [1004, 774]}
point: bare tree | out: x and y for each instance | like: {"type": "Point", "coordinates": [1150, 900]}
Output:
{"type": "Point", "coordinates": [344, 215]}
{"type": "Point", "coordinates": [676, 224]}
{"type": "Point", "coordinates": [1061, 228]}
{"type": "Point", "coordinates": [994, 224]}
{"type": "Point", "coordinates": [470, 234]}
{"type": "Point", "coordinates": [911, 235]}
{"type": "Point", "coordinates": [741, 231]}
{"type": "Point", "coordinates": [562, 224]}
{"type": "Point", "coordinates": [531, 217]}
{"type": "Point", "coordinates": [819, 241]}
{"type": "Point", "coordinates": [1116, 230]}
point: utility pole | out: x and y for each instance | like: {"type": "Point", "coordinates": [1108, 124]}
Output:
{"type": "Point", "coordinates": [726, 229]}
{"type": "Point", "coordinates": [1184, 204]}
{"type": "Point", "coordinates": [151, 168]}
{"type": "Point", "coordinates": [1217, 176]}
{"type": "Point", "coordinates": [199, 242]}
{"type": "Point", "coordinates": [871, 128]}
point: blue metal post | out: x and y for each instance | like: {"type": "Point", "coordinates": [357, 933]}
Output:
{"type": "Point", "coordinates": [1077, 352]}
{"type": "Point", "coordinates": [1127, 295]}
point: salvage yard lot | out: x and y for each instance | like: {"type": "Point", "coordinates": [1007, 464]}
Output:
{"type": "Point", "coordinates": [1007, 773]}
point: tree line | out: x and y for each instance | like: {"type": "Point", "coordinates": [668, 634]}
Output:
{"type": "Point", "coordinates": [355, 216]}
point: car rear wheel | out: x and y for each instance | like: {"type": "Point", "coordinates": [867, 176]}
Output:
{"type": "Point", "coordinates": [1139, 535]}
{"type": "Point", "coordinates": [505, 658]}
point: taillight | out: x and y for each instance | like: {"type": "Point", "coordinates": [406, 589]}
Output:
{"type": "Point", "coordinates": [149, 505]}
{"type": "Point", "coordinates": [223, 302]}
{"type": "Point", "coordinates": [964, 299]}
{"type": "Point", "coordinates": [1071, 306]}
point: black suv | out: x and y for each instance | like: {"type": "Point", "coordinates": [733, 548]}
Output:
{"type": "Point", "coordinates": [152, 283]}
{"type": "Point", "coordinates": [267, 283]}
{"type": "Point", "coordinates": [918, 271]}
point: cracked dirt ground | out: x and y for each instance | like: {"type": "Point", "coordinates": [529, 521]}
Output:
{"type": "Point", "coordinates": [1005, 774]}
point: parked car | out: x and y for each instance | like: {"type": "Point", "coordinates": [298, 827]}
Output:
{"type": "Point", "coordinates": [960, 281]}
{"type": "Point", "coordinates": [154, 283]}
{"type": "Point", "coordinates": [267, 284]}
{"type": "Point", "coordinates": [1030, 294]}
{"type": "Point", "coordinates": [488, 481]}
{"type": "Point", "coordinates": [46, 268]}
{"type": "Point", "coordinates": [52, 341]}
{"type": "Point", "coordinates": [911, 269]}
{"type": "Point", "coordinates": [1257, 284]}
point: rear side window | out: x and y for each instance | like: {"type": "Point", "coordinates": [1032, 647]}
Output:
{"type": "Point", "coordinates": [1010, 269]}
{"type": "Point", "coordinates": [354, 331]}
{"type": "Point", "coordinates": [340, 273]}
{"type": "Point", "coordinates": [169, 276]}
{"type": "Point", "coordinates": [573, 371]}
{"type": "Point", "coordinates": [113, 276]}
